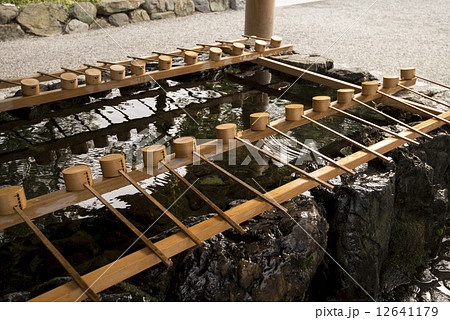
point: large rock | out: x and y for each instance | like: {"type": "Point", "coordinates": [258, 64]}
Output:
{"type": "Point", "coordinates": [386, 222]}
{"type": "Point", "coordinates": [184, 8]}
{"type": "Point", "coordinates": [83, 11]}
{"type": "Point", "coordinates": [237, 4]}
{"type": "Point", "coordinates": [119, 19]}
{"type": "Point", "coordinates": [108, 7]}
{"type": "Point", "coordinates": [43, 19]}
{"type": "Point", "coordinates": [163, 15]}
{"type": "Point", "coordinates": [152, 6]}
{"type": "Point", "coordinates": [219, 5]}
{"type": "Point", "coordinates": [139, 15]}
{"type": "Point", "coordinates": [76, 26]}
{"type": "Point", "coordinates": [10, 32]}
{"type": "Point", "coordinates": [99, 23]}
{"type": "Point", "coordinates": [202, 6]}
{"type": "Point", "coordinates": [8, 13]}
{"type": "Point", "coordinates": [313, 62]}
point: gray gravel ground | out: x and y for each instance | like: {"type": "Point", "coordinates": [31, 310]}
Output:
{"type": "Point", "coordinates": [389, 35]}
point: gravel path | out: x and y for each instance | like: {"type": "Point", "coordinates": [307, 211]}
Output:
{"type": "Point", "coordinates": [389, 35]}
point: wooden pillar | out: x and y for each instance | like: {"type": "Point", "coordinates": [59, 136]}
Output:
{"type": "Point", "coordinates": [259, 16]}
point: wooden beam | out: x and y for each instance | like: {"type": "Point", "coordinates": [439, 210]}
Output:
{"type": "Point", "coordinates": [60, 199]}
{"type": "Point", "coordinates": [60, 94]}
{"type": "Point", "coordinates": [136, 262]}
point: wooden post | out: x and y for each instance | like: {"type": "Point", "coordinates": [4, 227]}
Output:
{"type": "Point", "coordinates": [259, 16]}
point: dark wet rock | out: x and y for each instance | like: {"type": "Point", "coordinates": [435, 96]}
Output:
{"type": "Point", "coordinates": [8, 13]}
{"type": "Point", "coordinates": [353, 75]}
{"type": "Point", "coordinates": [119, 19]}
{"type": "Point", "coordinates": [21, 296]}
{"type": "Point", "coordinates": [202, 6]}
{"type": "Point", "coordinates": [83, 11]}
{"type": "Point", "coordinates": [184, 8]}
{"type": "Point", "coordinates": [311, 62]}
{"type": "Point", "coordinates": [387, 221]}
{"type": "Point", "coordinates": [43, 19]}
{"type": "Point", "coordinates": [11, 31]}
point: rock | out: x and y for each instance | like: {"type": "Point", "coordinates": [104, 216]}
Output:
{"type": "Point", "coordinates": [10, 32]}
{"type": "Point", "coordinates": [170, 5]}
{"type": "Point", "coordinates": [219, 5]}
{"type": "Point", "coordinates": [184, 8]}
{"type": "Point", "coordinates": [202, 6]}
{"type": "Point", "coordinates": [163, 15]}
{"type": "Point", "coordinates": [108, 7]}
{"type": "Point", "coordinates": [84, 11]}
{"type": "Point", "coordinates": [353, 75]}
{"type": "Point", "coordinates": [237, 4]}
{"type": "Point", "coordinates": [8, 13]}
{"type": "Point", "coordinates": [21, 296]}
{"type": "Point", "coordinates": [274, 261]}
{"type": "Point", "coordinates": [43, 19]}
{"type": "Point", "coordinates": [76, 26]}
{"type": "Point", "coordinates": [315, 63]}
{"type": "Point", "coordinates": [119, 19]}
{"type": "Point", "coordinates": [152, 6]}
{"type": "Point", "coordinates": [99, 23]}
{"type": "Point", "coordinates": [139, 15]}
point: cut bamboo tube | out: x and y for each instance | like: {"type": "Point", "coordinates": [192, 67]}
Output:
{"type": "Point", "coordinates": [390, 82]}
{"type": "Point", "coordinates": [137, 67]}
{"type": "Point", "coordinates": [242, 183]}
{"type": "Point", "coordinates": [65, 264]}
{"type": "Point", "coordinates": [69, 80]}
{"type": "Point", "coordinates": [275, 41]}
{"type": "Point", "coordinates": [93, 76]}
{"type": "Point", "coordinates": [164, 62]}
{"type": "Point", "coordinates": [260, 45]}
{"type": "Point", "coordinates": [293, 112]}
{"type": "Point", "coordinates": [392, 133]}
{"type": "Point", "coordinates": [130, 226]}
{"type": "Point", "coordinates": [434, 82]}
{"type": "Point", "coordinates": [393, 119]}
{"type": "Point", "coordinates": [414, 107]}
{"type": "Point", "coordinates": [215, 54]}
{"type": "Point", "coordinates": [180, 225]}
{"type": "Point", "coordinates": [321, 103]}
{"type": "Point", "coordinates": [303, 172]}
{"type": "Point", "coordinates": [424, 95]}
{"type": "Point", "coordinates": [407, 73]}
{"type": "Point", "coordinates": [348, 139]}
{"type": "Point", "coordinates": [333, 162]}
{"type": "Point", "coordinates": [30, 87]}
{"type": "Point", "coordinates": [219, 211]}
{"type": "Point", "coordinates": [10, 197]}
{"type": "Point", "coordinates": [117, 72]}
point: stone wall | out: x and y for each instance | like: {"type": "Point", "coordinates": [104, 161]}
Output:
{"type": "Point", "coordinates": [46, 19]}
